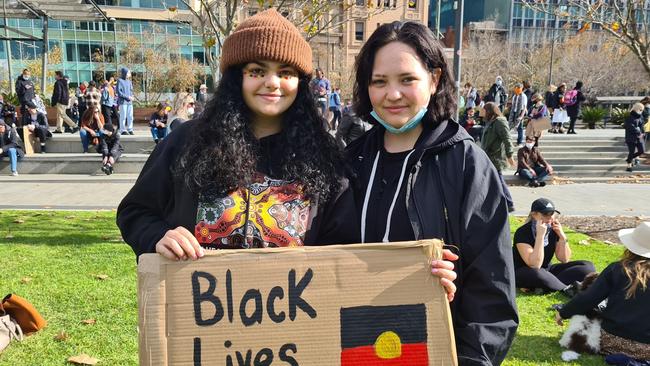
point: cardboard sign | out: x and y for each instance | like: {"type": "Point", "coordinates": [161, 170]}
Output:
{"type": "Point", "coordinates": [535, 127]}
{"type": "Point", "coordinates": [30, 142]}
{"type": "Point", "coordinates": [362, 304]}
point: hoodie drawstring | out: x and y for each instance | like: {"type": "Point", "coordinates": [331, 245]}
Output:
{"type": "Point", "coordinates": [366, 199]}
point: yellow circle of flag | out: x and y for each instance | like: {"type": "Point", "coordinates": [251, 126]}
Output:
{"type": "Point", "coordinates": [388, 345]}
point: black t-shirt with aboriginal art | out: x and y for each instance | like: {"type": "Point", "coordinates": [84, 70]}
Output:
{"type": "Point", "coordinates": [268, 213]}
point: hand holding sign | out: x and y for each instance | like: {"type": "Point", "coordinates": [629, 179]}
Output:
{"type": "Point", "coordinates": [445, 270]}
{"type": "Point", "coordinates": [179, 244]}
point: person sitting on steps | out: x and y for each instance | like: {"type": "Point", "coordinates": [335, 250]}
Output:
{"type": "Point", "coordinates": [531, 164]}
{"type": "Point", "coordinates": [37, 124]}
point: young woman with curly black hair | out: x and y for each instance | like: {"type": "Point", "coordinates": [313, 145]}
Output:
{"type": "Point", "coordinates": [419, 175]}
{"type": "Point", "coordinates": [257, 169]}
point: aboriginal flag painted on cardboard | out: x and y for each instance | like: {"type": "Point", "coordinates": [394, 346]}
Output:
{"type": "Point", "coordinates": [384, 336]}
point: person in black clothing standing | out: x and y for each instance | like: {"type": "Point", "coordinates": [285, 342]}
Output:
{"type": "Point", "coordinates": [536, 242]}
{"type": "Point", "coordinates": [60, 100]}
{"type": "Point", "coordinates": [625, 328]}
{"type": "Point", "coordinates": [634, 135]}
{"type": "Point", "coordinates": [572, 100]}
{"type": "Point", "coordinates": [24, 90]}
{"type": "Point", "coordinates": [497, 93]}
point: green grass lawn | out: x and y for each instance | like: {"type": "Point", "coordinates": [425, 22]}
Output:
{"type": "Point", "coordinates": [57, 261]}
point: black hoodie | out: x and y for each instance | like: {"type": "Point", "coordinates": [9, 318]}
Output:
{"type": "Point", "coordinates": [453, 192]}
{"type": "Point", "coordinates": [160, 201]}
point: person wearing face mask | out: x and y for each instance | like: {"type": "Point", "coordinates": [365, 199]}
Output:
{"type": "Point", "coordinates": [201, 99]}
{"type": "Point", "coordinates": [646, 117]}
{"type": "Point", "coordinates": [518, 112]}
{"type": "Point", "coordinates": [531, 165]}
{"type": "Point", "coordinates": [24, 90]}
{"type": "Point", "coordinates": [36, 122]}
{"type": "Point", "coordinates": [560, 115]}
{"type": "Point", "coordinates": [125, 99]}
{"type": "Point", "coordinates": [536, 243]}
{"type": "Point", "coordinates": [497, 94]}
{"type": "Point", "coordinates": [419, 175]}
{"type": "Point", "coordinates": [634, 135]}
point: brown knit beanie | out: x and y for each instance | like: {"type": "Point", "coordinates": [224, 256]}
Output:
{"type": "Point", "coordinates": [267, 36]}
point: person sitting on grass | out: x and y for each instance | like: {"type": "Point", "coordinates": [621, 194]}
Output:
{"type": "Point", "coordinates": [531, 165]}
{"type": "Point", "coordinates": [536, 242]}
{"type": "Point", "coordinates": [91, 124]}
{"type": "Point", "coordinates": [158, 122]}
{"type": "Point", "coordinates": [36, 122]}
{"type": "Point", "coordinates": [625, 328]}
{"type": "Point", "coordinates": [110, 148]}
{"type": "Point", "coordinates": [10, 146]}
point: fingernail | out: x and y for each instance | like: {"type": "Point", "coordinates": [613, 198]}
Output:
{"type": "Point", "coordinates": [434, 270]}
{"type": "Point", "coordinates": [201, 252]}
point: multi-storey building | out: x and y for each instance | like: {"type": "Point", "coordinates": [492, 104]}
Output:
{"type": "Point", "coordinates": [90, 48]}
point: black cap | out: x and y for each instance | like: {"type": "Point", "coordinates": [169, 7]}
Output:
{"type": "Point", "coordinates": [31, 105]}
{"type": "Point", "coordinates": [544, 206]}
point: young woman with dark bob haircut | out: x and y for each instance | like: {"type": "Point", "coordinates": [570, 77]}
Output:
{"type": "Point", "coordinates": [419, 175]}
{"type": "Point", "coordinates": [256, 170]}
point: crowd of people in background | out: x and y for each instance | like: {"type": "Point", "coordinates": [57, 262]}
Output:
{"type": "Point", "coordinates": [100, 111]}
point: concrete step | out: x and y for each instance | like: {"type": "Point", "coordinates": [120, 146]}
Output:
{"type": "Point", "coordinates": [70, 178]}
{"type": "Point", "coordinates": [582, 149]}
{"type": "Point", "coordinates": [602, 168]}
{"type": "Point", "coordinates": [600, 174]}
{"type": "Point", "coordinates": [579, 143]}
{"type": "Point", "coordinates": [582, 155]}
{"type": "Point", "coordinates": [74, 164]}
{"type": "Point", "coordinates": [68, 143]}
{"type": "Point", "coordinates": [571, 160]}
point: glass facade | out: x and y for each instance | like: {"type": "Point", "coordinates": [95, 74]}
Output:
{"type": "Point", "coordinates": [88, 48]}
{"type": "Point", "coordinates": [474, 11]}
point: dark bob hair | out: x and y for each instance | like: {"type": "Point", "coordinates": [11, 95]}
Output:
{"type": "Point", "coordinates": [222, 153]}
{"type": "Point", "coordinates": [443, 103]}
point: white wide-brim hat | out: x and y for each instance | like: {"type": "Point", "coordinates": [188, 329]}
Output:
{"type": "Point", "coordinates": [637, 240]}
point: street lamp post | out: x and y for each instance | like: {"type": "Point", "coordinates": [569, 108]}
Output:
{"type": "Point", "coordinates": [460, 7]}
{"type": "Point", "coordinates": [114, 22]}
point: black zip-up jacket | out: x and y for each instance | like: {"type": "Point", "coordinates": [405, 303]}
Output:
{"type": "Point", "coordinates": [110, 146]}
{"type": "Point", "coordinates": [160, 201]}
{"type": "Point", "coordinates": [634, 128]}
{"type": "Point", "coordinates": [41, 120]}
{"type": "Point", "coordinates": [453, 193]}
{"type": "Point", "coordinates": [61, 93]}
{"type": "Point", "coordinates": [24, 90]}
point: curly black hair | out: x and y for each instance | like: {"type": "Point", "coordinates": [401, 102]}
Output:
{"type": "Point", "coordinates": [221, 152]}
{"type": "Point", "coordinates": [442, 105]}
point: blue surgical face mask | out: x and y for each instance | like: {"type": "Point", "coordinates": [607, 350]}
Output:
{"type": "Point", "coordinates": [411, 124]}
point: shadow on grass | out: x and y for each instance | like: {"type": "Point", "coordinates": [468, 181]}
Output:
{"type": "Point", "coordinates": [78, 238]}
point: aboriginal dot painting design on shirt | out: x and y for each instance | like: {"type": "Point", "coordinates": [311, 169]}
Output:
{"type": "Point", "coordinates": [268, 213]}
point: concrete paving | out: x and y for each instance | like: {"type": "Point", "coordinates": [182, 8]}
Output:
{"type": "Point", "coordinates": [96, 192]}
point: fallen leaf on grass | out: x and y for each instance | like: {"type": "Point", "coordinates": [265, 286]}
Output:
{"type": "Point", "coordinates": [89, 321]}
{"type": "Point", "coordinates": [83, 359]}
{"type": "Point", "coordinates": [9, 236]}
{"type": "Point", "coordinates": [608, 242]}
{"type": "Point", "coordinates": [101, 276]}
{"type": "Point", "coordinates": [583, 242]}
{"type": "Point", "coordinates": [19, 221]}
{"type": "Point", "coordinates": [26, 280]}
{"type": "Point", "coordinates": [62, 336]}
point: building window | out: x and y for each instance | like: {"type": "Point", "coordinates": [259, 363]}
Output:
{"type": "Point", "coordinates": [358, 31]}
{"type": "Point", "coordinates": [413, 4]}
{"type": "Point", "coordinates": [360, 3]}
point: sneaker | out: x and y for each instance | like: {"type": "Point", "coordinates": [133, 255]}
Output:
{"type": "Point", "coordinates": [131, 133]}
{"type": "Point", "coordinates": [533, 184]}
{"type": "Point", "coordinates": [637, 162]}
{"type": "Point", "coordinates": [124, 133]}
{"type": "Point", "coordinates": [57, 131]}
{"type": "Point", "coordinates": [110, 169]}
{"type": "Point", "coordinates": [542, 184]}
{"type": "Point", "coordinates": [105, 169]}
{"type": "Point", "coordinates": [629, 169]}
{"type": "Point", "coordinates": [74, 130]}
{"type": "Point", "coordinates": [511, 208]}
{"type": "Point", "coordinates": [15, 174]}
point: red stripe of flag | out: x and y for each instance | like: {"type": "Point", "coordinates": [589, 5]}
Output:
{"type": "Point", "coordinates": [412, 355]}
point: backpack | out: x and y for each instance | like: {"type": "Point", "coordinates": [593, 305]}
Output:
{"type": "Point", "coordinates": [571, 97]}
